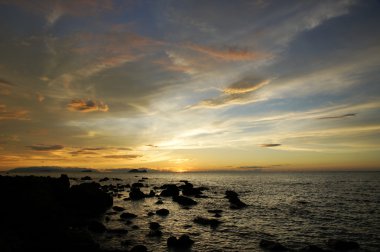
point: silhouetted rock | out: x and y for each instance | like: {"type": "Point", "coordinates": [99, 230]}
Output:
{"type": "Point", "coordinates": [159, 202]}
{"type": "Point", "coordinates": [128, 216]}
{"type": "Point", "coordinates": [155, 233]}
{"type": "Point", "coordinates": [151, 194]}
{"type": "Point", "coordinates": [342, 245]}
{"type": "Point", "coordinates": [88, 199]}
{"type": "Point", "coordinates": [154, 225]}
{"type": "Point", "coordinates": [207, 222]}
{"type": "Point", "coordinates": [184, 242]}
{"type": "Point", "coordinates": [150, 213]}
{"type": "Point", "coordinates": [235, 202]}
{"type": "Point", "coordinates": [170, 190]}
{"type": "Point", "coordinates": [119, 231]}
{"type": "Point", "coordinates": [135, 227]}
{"type": "Point", "coordinates": [139, 248]}
{"type": "Point", "coordinates": [311, 248]}
{"type": "Point", "coordinates": [231, 194]}
{"type": "Point", "coordinates": [86, 178]}
{"type": "Point", "coordinates": [215, 211]}
{"type": "Point", "coordinates": [104, 179]}
{"type": "Point", "coordinates": [118, 208]}
{"type": "Point", "coordinates": [136, 193]}
{"type": "Point", "coordinates": [272, 245]}
{"type": "Point", "coordinates": [96, 227]}
{"type": "Point", "coordinates": [184, 201]}
{"type": "Point", "coordinates": [138, 184]}
{"type": "Point", "coordinates": [162, 212]}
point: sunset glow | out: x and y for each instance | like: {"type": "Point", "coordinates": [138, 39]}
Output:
{"type": "Point", "coordinates": [190, 85]}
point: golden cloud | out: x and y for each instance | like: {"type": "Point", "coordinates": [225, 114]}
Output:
{"type": "Point", "coordinates": [82, 105]}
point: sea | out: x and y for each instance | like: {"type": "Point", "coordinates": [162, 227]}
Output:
{"type": "Point", "coordinates": [295, 209]}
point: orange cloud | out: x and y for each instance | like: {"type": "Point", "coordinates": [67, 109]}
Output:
{"type": "Point", "coordinates": [13, 115]}
{"type": "Point", "coordinates": [123, 156]}
{"type": "Point", "coordinates": [82, 105]}
{"type": "Point", "coordinates": [229, 54]}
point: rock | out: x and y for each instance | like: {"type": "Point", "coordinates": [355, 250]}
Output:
{"type": "Point", "coordinates": [215, 211]}
{"type": "Point", "coordinates": [272, 245]}
{"type": "Point", "coordinates": [118, 231]}
{"type": "Point", "coordinates": [184, 242]}
{"type": "Point", "coordinates": [217, 215]}
{"type": "Point", "coordinates": [104, 179]}
{"type": "Point", "coordinates": [207, 222]}
{"type": "Point", "coordinates": [139, 248]}
{"type": "Point", "coordinates": [135, 227]}
{"type": "Point", "coordinates": [184, 201]}
{"type": "Point", "coordinates": [154, 225]}
{"type": "Point", "coordinates": [88, 199]}
{"type": "Point", "coordinates": [151, 193]}
{"type": "Point", "coordinates": [235, 202]}
{"type": "Point", "coordinates": [96, 227]}
{"type": "Point", "coordinates": [127, 215]}
{"type": "Point", "coordinates": [155, 233]}
{"type": "Point", "coordinates": [342, 245]}
{"type": "Point", "coordinates": [144, 178]}
{"type": "Point", "coordinates": [118, 208]}
{"type": "Point", "coordinates": [150, 213]}
{"type": "Point", "coordinates": [231, 194]}
{"type": "Point", "coordinates": [170, 190]}
{"type": "Point", "coordinates": [136, 193]}
{"type": "Point", "coordinates": [311, 248]}
{"type": "Point", "coordinates": [138, 184]}
{"type": "Point", "coordinates": [162, 212]}
{"type": "Point", "coordinates": [86, 178]}
{"type": "Point", "coordinates": [159, 202]}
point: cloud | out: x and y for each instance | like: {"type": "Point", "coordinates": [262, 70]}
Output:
{"type": "Point", "coordinates": [82, 105]}
{"type": "Point", "coordinates": [122, 156]}
{"type": "Point", "coordinates": [17, 114]}
{"type": "Point", "coordinates": [239, 92]}
{"type": "Point", "coordinates": [269, 145]}
{"type": "Point", "coordinates": [45, 147]}
{"type": "Point", "coordinates": [97, 150]}
{"type": "Point", "coordinates": [40, 97]}
{"type": "Point", "coordinates": [253, 167]}
{"type": "Point", "coordinates": [338, 117]}
{"type": "Point", "coordinates": [228, 54]}
{"type": "Point", "coordinates": [5, 87]}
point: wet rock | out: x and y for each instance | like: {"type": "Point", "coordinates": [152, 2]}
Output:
{"type": "Point", "coordinates": [127, 215]}
{"type": "Point", "coordinates": [311, 248]}
{"type": "Point", "coordinates": [154, 225]}
{"type": "Point", "coordinates": [88, 199]}
{"type": "Point", "coordinates": [159, 202]}
{"type": "Point", "coordinates": [235, 202]}
{"type": "Point", "coordinates": [86, 178]}
{"type": "Point", "coordinates": [150, 213]}
{"type": "Point", "coordinates": [170, 190]}
{"type": "Point", "coordinates": [184, 201]}
{"type": "Point", "coordinates": [96, 227]}
{"type": "Point", "coordinates": [135, 227]}
{"type": "Point", "coordinates": [184, 242]}
{"type": "Point", "coordinates": [139, 248]}
{"type": "Point", "coordinates": [136, 193]}
{"type": "Point", "coordinates": [151, 193]}
{"type": "Point", "coordinates": [128, 222]}
{"type": "Point", "coordinates": [155, 233]}
{"type": "Point", "coordinates": [144, 178]}
{"type": "Point", "coordinates": [217, 215]}
{"type": "Point", "coordinates": [116, 179]}
{"type": "Point", "coordinates": [215, 211]}
{"type": "Point", "coordinates": [272, 245]}
{"type": "Point", "coordinates": [118, 231]}
{"type": "Point", "coordinates": [104, 179]}
{"type": "Point", "coordinates": [118, 208]}
{"type": "Point", "coordinates": [138, 184]}
{"type": "Point", "coordinates": [162, 212]}
{"type": "Point", "coordinates": [207, 222]}
{"type": "Point", "coordinates": [342, 245]}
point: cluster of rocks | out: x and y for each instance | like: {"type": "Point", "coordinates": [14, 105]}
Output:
{"type": "Point", "coordinates": [332, 244]}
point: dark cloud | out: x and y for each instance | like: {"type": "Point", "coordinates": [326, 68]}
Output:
{"type": "Point", "coordinates": [269, 145]}
{"type": "Point", "coordinates": [82, 105]}
{"type": "Point", "coordinates": [152, 145]}
{"type": "Point", "coordinates": [45, 147]}
{"type": "Point", "coordinates": [122, 156]}
{"type": "Point", "coordinates": [338, 117]}
{"type": "Point", "coordinates": [251, 167]}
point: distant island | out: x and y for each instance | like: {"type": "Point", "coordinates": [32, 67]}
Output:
{"type": "Point", "coordinates": [51, 169]}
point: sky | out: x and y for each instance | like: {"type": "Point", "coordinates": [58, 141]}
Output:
{"type": "Point", "coordinates": [190, 85]}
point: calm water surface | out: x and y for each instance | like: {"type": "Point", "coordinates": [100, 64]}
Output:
{"type": "Point", "coordinates": [295, 209]}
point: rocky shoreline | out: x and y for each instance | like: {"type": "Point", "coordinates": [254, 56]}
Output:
{"type": "Point", "coordinates": [49, 214]}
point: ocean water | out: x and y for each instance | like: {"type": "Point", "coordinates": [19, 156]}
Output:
{"type": "Point", "coordinates": [295, 209]}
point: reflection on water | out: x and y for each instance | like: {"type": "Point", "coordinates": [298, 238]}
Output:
{"type": "Point", "coordinates": [295, 209]}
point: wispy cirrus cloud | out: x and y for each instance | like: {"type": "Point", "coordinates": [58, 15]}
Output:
{"type": "Point", "coordinates": [82, 105]}
{"type": "Point", "coordinates": [268, 145]}
{"type": "Point", "coordinates": [239, 92]}
{"type": "Point", "coordinates": [128, 156]}
{"type": "Point", "coordinates": [5, 87]}
{"type": "Point", "coordinates": [14, 114]}
{"type": "Point", "coordinates": [338, 116]}
{"type": "Point", "coordinates": [45, 147]}
{"type": "Point", "coordinates": [229, 53]}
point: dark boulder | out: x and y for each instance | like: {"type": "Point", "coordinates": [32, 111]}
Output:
{"type": "Point", "coordinates": [88, 199]}
{"type": "Point", "coordinates": [96, 227]}
{"type": "Point", "coordinates": [117, 231]}
{"type": "Point", "coordinates": [136, 193]}
{"type": "Point", "coordinates": [272, 245]}
{"type": "Point", "coordinates": [104, 179]}
{"type": "Point", "coordinates": [311, 248]}
{"type": "Point", "coordinates": [155, 233]}
{"type": "Point", "coordinates": [184, 242]}
{"type": "Point", "coordinates": [235, 202]}
{"type": "Point", "coordinates": [159, 202]}
{"type": "Point", "coordinates": [138, 184]}
{"type": "Point", "coordinates": [139, 248]}
{"type": "Point", "coordinates": [342, 245]}
{"type": "Point", "coordinates": [215, 211]}
{"type": "Point", "coordinates": [184, 201]}
{"type": "Point", "coordinates": [170, 190]}
{"type": "Point", "coordinates": [162, 212]}
{"type": "Point", "coordinates": [154, 225]}
{"type": "Point", "coordinates": [127, 216]}
{"type": "Point", "coordinates": [213, 223]}
{"type": "Point", "coordinates": [86, 178]}
{"type": "Point", "coordinates": [231, 194]}
{"type": "Point", "coordinates": [118, 208]}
